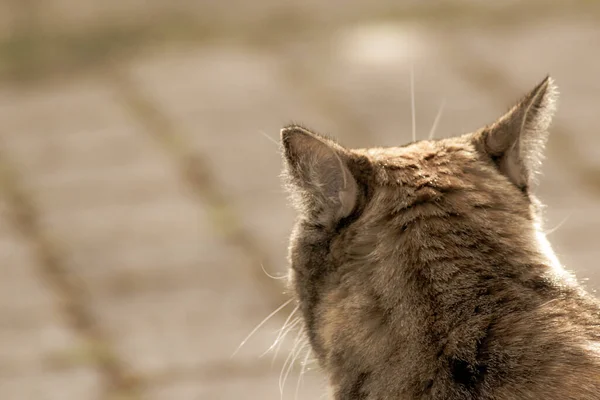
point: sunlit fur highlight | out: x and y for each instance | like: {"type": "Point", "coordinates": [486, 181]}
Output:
{"type": "Point", "coordinates": [432, 278]}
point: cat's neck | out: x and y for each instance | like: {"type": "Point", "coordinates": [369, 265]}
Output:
{"type": "Point", "coordinates": [503, 305]}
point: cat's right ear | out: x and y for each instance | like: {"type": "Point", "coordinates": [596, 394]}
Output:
{"type": "Point", "coordinates": [516, 141]}
{"type": "Point", "coordinates": [317, 175]}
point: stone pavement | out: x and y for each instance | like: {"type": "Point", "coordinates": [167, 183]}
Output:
{"type": "Point", "coordinates": [140, 203]}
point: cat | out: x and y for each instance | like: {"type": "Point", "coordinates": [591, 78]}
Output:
{"type": "Point", "coordinates": [422, 272]}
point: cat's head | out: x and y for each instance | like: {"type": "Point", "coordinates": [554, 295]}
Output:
{"type": "Point", "coordinates": [383, 231]}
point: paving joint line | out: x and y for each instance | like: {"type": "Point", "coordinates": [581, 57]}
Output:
{"type": "Point", "coordinates": [73, 299]}
{"type": "Point", "coordinates": [198, 176]}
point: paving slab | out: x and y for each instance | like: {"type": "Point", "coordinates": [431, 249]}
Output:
{"type": "Point", "coordinates": [174, 294]}
{"type": "Point", "coordinates": [36, 345]}
{"type": "Point", "coordinates": [311, 387]}
{"type": "Point", "coordinates": [167, 289]}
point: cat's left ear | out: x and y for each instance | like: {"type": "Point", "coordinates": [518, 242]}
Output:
{"type": "Point", "coordinates": [516, 141]}
{"type": "Point", "coordinates": [318, 175]}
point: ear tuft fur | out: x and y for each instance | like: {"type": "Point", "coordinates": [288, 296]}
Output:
{"type": "Point", "coordinates": [317, 174]}
{"type": "Point", "coordinates": [516, 141]}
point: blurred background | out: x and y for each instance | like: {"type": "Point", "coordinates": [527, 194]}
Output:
{"type": "Point", "coordinates": [140, 206]}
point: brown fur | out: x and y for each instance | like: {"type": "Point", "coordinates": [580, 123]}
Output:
{"type": "Point", "coordinates": [422, 273]}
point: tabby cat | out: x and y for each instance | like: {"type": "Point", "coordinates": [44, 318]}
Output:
{"type": "Point", "coordinates": [422, 271]}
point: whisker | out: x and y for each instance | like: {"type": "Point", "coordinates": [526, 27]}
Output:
{"type": "Point", "coordinates": [291, 365]}
{"type": "Point", "coordinates": [281, 331]}
{"type": "Point", "coordinates": [269, 138]}
{"type": "Point", "coordinates": [287, 360]}
{"type": "Point", "coordinates": [269, 275]}
{"type": "Point", "coordinates": [412, 98]}
{"type": "Point", "coordinates": [302, 372]}
{"type": "Point", "coordinates": [259, 325]}
{"type": "Point", "coordinates": [560, 224]}
{"type": "Point", "coordinates": [437, 119]}
{"type": "Point", "coordinates": [289, 329]}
